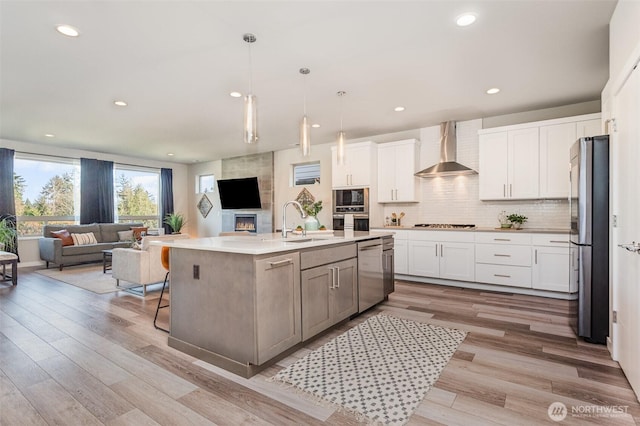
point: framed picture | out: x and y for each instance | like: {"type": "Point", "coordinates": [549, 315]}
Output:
{"type": "Point", "coordinates": [204, 205]}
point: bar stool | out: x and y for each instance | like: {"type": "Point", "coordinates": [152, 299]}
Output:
{"type": "Point", "coordinates": [7, 258]}
{"type": "Point", "coordinates": [164, 257]}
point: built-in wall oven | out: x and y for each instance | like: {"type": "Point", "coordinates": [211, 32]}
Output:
{"type": "Point", "coordinates": [353, 201]}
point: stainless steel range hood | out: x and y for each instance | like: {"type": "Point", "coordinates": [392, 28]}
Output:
{"type": "Point", "coordinates": [447, 165]}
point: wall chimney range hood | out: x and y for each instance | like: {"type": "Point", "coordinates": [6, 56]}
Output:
{"type": "Point", "coordinates": [447, 165]}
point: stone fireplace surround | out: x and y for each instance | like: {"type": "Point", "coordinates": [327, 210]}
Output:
{"type": "Point", "coordinates": [260, 165]}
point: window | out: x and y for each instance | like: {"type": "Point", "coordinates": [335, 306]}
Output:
{"type": "Point", "coordinates": [205, 183]}
{"type": "Point", "coordinates": [47, 190]}
{"type": "Point", "coordinates": [137, 192]}
{"type": "Point", "coordinates": [306, 174]}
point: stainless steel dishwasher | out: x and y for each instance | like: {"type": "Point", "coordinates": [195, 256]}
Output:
{"type": "Point", "coordinates": [370, 274]}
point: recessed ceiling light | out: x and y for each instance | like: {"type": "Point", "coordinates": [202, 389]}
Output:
{"type": "Point", "coordinates": [235, 94]}
{"type": "Point", "coordinates": [493, 91]}
{"type": "Point", "coordinates": [50, 135]}
{"type": "Point", "coordinates": [399, 109]}
{"type": "Point", "coordinates": [466, 19]}
{"type": "Point", "coordinates": [315, 126]}
{"type": "Point", "coordinates": [68, 30]}
{"type": "Point", "coordinates": [120, 103]}
{"type": "Point", "coordinates": [170, 154]}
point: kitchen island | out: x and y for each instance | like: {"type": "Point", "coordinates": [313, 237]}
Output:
{"type": "Point", "coordinates": [242, 302]}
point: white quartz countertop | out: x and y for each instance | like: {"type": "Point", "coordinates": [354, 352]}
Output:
{"type": "Point", "coordinates": [270, 243]}
{"type": "Point", "coordinates": [478, 229]}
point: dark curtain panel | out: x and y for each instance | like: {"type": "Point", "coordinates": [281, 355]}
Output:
{"type": "Point", "coordinates": [96, 191]}
{"type": "Point", "coordinates": [7, 199]}
{"type": "Point", "coordinates": [166, 202]}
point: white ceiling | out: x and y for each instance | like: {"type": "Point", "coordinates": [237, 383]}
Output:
{"type": "Point", "coordinates": [175, 63]}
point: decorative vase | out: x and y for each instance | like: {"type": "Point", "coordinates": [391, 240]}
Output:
{"type": "Point", "coordinates": [506, 225]}
{"type": "Point", "coordinates": [312, 223]}
{"type": "Point", "coordinates": [516, 225]}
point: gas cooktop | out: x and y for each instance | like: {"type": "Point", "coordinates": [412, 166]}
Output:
{"type": "Point", "coordinates": [443, 226]}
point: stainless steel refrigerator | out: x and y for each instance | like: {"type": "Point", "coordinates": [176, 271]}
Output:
{"type": "Point", "coordinates": [590, 235]}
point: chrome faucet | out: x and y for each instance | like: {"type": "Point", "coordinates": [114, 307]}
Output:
{"type": "Point", "coordinates": [284, 215]}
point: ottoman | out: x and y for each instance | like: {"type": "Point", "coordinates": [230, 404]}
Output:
{"type": "Point", "coordinates": [7, 258]}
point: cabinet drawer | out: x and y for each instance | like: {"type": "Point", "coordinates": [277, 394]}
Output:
{"type": "Point", "coordinates": [312, 258]}
{"type": "Point", "coordinates": [550, 240]}
{"type": "Point", "coordinates": [442, 236]}
{"type": "Point", "coordinates": [516, 276]}
{"type": "Point", "coordinates": [507, 237]}
{"type": "Point", "coordinates": [503, 254]}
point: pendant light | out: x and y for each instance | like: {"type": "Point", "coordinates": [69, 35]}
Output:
{"type": "Point", "coordinates": [340, 150]}
{"type": "Point", "coordinates": [305, 137]}
{"type": "Point", "coordinates": [250, 127]}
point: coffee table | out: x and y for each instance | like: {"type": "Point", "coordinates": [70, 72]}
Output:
{"type": "Point", "coordinates": [107, 256]}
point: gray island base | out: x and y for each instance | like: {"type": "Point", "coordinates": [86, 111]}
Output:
{"type": "Point", "coordinates": [243, 303]}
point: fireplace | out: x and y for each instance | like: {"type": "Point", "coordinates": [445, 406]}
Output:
{"type": "Point", "coordinates": [246, 222]}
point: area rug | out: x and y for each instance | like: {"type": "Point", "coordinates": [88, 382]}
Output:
{"type": "Point", "coordinates": [91, 277]}
{"type": "Point", "coordinates": [379, 370]}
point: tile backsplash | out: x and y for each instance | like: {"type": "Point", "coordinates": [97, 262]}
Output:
{"type": "Point", "coordinates": [454, 199]}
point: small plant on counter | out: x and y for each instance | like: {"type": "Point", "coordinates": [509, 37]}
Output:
{"type": "Point", "coordinates": [517, 219]}
{"type": "Point", "coordinates": [313, 209]}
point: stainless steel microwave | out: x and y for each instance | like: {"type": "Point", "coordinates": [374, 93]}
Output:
{"type": "Point", "coordinates": [353, 200]}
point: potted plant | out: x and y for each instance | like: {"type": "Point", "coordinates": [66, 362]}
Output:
{"type": "Point", "coordinates": [517, 220]}
{"type": "Point", "coordinates": [312, 209]}
{"type": "Point", "coordinates": [175, 221]}
{"type": "Point", "coordinates": [8, 235]}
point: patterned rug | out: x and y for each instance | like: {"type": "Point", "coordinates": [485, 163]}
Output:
{"type": "Point", "coordinates": [381, 369]}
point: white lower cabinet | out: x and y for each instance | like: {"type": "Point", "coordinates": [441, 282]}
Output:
{"type": "Point", "coordinates": [441, 254]}
{"type": "Point", "coordinates": [503, 258]}
{"type": "Point", "coordinates": [552, 263]}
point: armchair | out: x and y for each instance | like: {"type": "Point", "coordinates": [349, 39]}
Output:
{"type": "Point", "coordinates": [141, 267]}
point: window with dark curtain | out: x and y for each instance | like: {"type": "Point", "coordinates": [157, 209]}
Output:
{"type": "Point", "coordinates": [7, 198]}
{"type": "Point", "coordinates": [96, 191]}
{"type": "Point", "coordinates": [166, 195]}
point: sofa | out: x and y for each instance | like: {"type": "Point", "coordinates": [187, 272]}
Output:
{"type": "Point", "coordinates": [54, 250]}
{"type": "Point", "coordinates": [141, 267]}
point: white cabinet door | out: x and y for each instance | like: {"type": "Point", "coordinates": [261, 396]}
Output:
{"type": "Point", "coordinates": [386, 173]}
{"type": "Point", "coordinates": [551, 268]}
{"type": "Point", "coordinates": [457, 261]}
{"type": "Point", "coordinates": [423, 259]}
{"type": "Point", "coordinates": [357, 168]}
{"type": "Point", "coordinates": [589, 128]}
{"type": "Point", "coordinates": [397, 163]}
{"type": "Point", "coordinates": [493, 159]}
{"type": "Point", "coordinates": [400, 257]}
{"type": "Point", "coordinates": [523, 169]}
{"type": "Point", "coordinates": [555, 142]}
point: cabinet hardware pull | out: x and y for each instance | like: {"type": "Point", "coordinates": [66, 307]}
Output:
{"type": "Point", "coordinates": [441, 250]}
{"type": "Point", "coordinates": [503, 276]}
{"type": "Point", "coordinates": [337, 277]}
{"type": "Point", "coordinates": [502, 255]}
{"type": "Point", "coordinates": [501, 239]}
{"type": "Point", "coordinates": [333, 277]}
{"type": "Point", "coordinates": [536, 256]}
{"type": "Point", "coordinates": [373, 247]}
{"type": "Point", "coordinates": [558, 241]}
{"type": "Point", "coordinates": [436, 250]}
{"type": "Point", "coordinates": [280, 263]}
{"type": "Point", "coordinates": [392, 194]}
{"type": "Point", "coordinates": [504, 190]}
{"type": "Point", "coordinates": [510, 190]}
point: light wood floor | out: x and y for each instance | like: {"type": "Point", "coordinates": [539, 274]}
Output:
{"type": "Point", "coordinates": [71, 357]}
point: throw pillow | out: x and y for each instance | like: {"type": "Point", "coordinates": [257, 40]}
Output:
{"type": "Point", "coordinates": [124, 236]}
{"type": "Point", "coordinates": [64, 235]}
{"type": "Point", "coordinates": [137, 232]}
{"type": "Point", "coordinates": [84, 239]}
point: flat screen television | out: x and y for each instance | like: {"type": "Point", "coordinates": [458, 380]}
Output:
{"type": "Point", "coordinates": [239, 193]}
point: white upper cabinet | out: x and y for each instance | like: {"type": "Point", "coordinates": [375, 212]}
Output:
{"type": "Point", "coordinates": [357, 170]}
{"type": "Point", "coordinates": [555, 142]}
{"type": "Point", "coordinates": [531, 160]}
{"type": "Point", "coordinates": [509, 165]}
{"type": "Point", "coordinates": [397, 163]}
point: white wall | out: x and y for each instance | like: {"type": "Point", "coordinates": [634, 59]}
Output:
{"type": "Point", "coordinates": [28, 247]}
{"type": "Point", "coordinates": [212, 224]}
{"type": "Point", "coordinates": [624, 33]}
